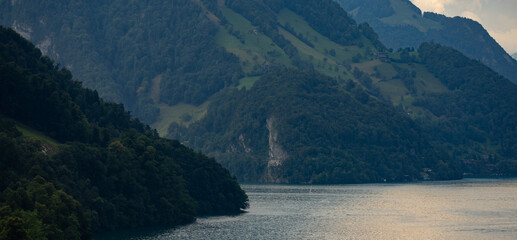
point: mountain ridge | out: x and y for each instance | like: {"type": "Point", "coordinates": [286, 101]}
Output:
{"type": "Point", "coordinates": [264, 37]}
{"type": "Point", "coordinates": [401, 24]}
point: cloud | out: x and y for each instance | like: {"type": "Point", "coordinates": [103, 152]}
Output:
{"type": "Point", "coordinates": [471, 5]}
{"type": "Point", "coordinates": [471, 15]}
{"type": "Point", "coordinates": [507, 39]}
{"type": "Point", "coordinates": [437, 6]}
{"type": "Point", "coordinates": [497, 16]}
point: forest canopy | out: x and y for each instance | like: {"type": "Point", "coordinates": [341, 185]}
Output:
{"type": "Point", "coordinates": [331, 134]}
{"type": "Point", "coordinates": [86, 160]}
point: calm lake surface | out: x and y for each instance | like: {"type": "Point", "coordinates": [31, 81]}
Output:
{"type": "Point", "coordinates": [464, 209]}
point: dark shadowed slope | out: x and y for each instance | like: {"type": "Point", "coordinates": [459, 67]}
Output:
{"type": "Point", "coordinates": [71, 163]}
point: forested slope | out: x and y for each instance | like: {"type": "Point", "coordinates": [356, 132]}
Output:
{"type": "Point", "coordinates": [204, 78]}
{"type": "Point", "coordinates": [83, 164]}
{"type": "Point", "coordinates": [241, 136]}
{"type": "Point", "coordinates": [479, 109]}
{"type": "Point", "coordinates": [310, 129]}
{"type": "Point", "coordinates": [129, 51]}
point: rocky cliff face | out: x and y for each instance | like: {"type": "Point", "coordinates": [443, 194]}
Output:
{"type": "Point", "coordinates": [276, 155]}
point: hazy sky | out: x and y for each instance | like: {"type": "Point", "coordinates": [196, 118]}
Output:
{"type": "Point", "coordinates": [499, 17]}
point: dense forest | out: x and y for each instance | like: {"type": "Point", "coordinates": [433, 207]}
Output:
{"type": "Point", "coordinates": [128, 52]}
{"type": "Point", "coordinates": [277, 91]}
{"type": "Point", "coordinates": [72, 163]}
{"type": "Point", "coordinates": [313, 130]}
{"type": "Point", "coordinates": [480, 108]}
{"type": "Point", "coordinates": [401, 24]}
{"type": "Point", "coordinates": [475, 144]}
{"type": "Point", "coordinates": [149, 53]}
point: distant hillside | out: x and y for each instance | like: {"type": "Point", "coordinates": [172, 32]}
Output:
{"type": "Point", "coordinates": [140, 54]}
{"type": "Point", "coordinates": [262, 84]}
{"type": "Point", "coordinates": [402, 78]}
{"type": "Point", "coordinates": [401, 24]}
{"type": "Point", "coordinates": [477, 113]}
{"type": "Point", "coordinates": [310, 129]}
{"type": "Point", "coordinates": [71, 163]}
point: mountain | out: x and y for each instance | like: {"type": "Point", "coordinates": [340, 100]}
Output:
{"type": "Point", "coordinates": [242, 139]}
{"type": "Point", "coordinates": [514, 56]}
{"type": "Point", "coordinates": [286, 91]}
{"type": "Point", "coordinates": [477, 111]}
{"type": "Point", "coordinates": [401, 24]}
{"type": "Point", "coordinates": [72, 163]}
{"type": "Point", "coordinates": [308, 128]}
{"type": "Point", "coordinates": [130, 52]}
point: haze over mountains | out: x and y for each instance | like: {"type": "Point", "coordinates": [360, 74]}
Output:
{"type": "Point", "coordinates": [284, 91]}
{"type": "Point", "coordinates": [401, 24]}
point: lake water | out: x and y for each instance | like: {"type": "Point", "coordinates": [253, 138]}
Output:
{"type": "Point", "coordinates": [464, 209]}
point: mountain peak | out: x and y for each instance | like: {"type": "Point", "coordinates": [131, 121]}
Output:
{"type": "Point", "coordinates": [399, 25]}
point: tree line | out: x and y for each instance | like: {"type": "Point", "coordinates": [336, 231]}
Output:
{"type": "Point", "coordinates": [107, 171]}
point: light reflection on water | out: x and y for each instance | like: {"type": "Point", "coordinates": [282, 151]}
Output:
{"type": "Point", "coordinates": [465, 209]}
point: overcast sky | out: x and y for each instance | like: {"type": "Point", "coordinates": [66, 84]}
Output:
{"type": "Point", "coordinates": [499, 17]}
